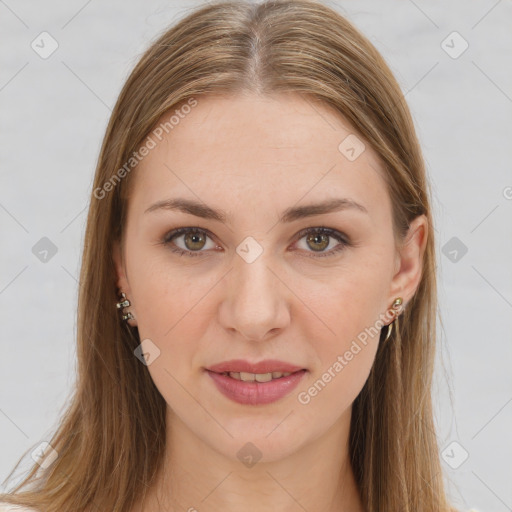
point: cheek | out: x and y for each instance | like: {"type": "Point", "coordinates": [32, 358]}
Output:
{"type": "Point", "coordinates": [345, 301]}
{"type": "Point", "coordinates": [330, 394]}
{"type": "Point", "coordinates": [345, 336]}
{"type": "Point", "coordinates": [166, 290]}
{"type": "Point", "coordinates": [173, 310]}
{"type": "Point", "coordinates": [342, 318]}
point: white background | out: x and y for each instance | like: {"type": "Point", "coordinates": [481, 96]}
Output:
{"type": "Point", "coordinates": [53, 115]}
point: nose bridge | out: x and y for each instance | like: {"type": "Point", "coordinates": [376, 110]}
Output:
{"type": "Point", "coordinates": [253, 280]}
{"type": "Point", "coordinates": [254, 301]}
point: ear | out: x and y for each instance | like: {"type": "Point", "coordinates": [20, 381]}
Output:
{"type": "Point", "coordinates": [122, 282]}
{"type": "Point", "coordinates": [121, 279]}
{"type": "Point", "coordinates": [409, 264]}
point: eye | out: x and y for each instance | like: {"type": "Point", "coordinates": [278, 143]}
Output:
{"type": "Point", "coordinates": [195, 239]}
{"type": "Point", "coordinates": [318, 240]}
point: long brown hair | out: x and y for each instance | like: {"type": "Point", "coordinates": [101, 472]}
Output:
{"type": "Point", "coordinates": [111, 438]}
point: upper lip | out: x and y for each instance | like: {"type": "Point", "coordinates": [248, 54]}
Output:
{"type": "Point", "coordinates": [266, 366]}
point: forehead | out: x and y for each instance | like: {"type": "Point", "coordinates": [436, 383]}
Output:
{"type": "Point", "coordinates": [228, 150]}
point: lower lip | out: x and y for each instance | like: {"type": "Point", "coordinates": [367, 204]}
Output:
{"type": "Point", "coordinates": [256, 393]}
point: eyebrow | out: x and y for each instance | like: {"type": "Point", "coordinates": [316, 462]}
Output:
{"type": "Point", "coordinates": [289, 215]}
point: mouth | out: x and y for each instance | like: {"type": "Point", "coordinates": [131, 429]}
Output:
{"type": "Point", "coordinates": [255, 383]}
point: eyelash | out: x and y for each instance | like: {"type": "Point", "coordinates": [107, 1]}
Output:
{"type": "Point", "coordinates": [344, 242]}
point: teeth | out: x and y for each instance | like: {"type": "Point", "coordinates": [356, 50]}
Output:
{"type": "Point", "coordinates": [277, 375]}
{"type": "Point", "coordinates": [259, 377]}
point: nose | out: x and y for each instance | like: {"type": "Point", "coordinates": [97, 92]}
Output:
{"type": "Point", "coordinates": [256, 301]}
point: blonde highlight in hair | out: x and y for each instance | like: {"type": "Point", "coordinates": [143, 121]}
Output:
{"type": "Point", "coordinates": [111, 438]}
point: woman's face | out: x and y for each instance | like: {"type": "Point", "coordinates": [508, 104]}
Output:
{"type": "Point", "coordinates": [251, 284]}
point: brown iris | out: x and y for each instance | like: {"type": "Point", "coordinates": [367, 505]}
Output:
{"type": "Point", "coordinates": [194, 238]}
{"type": "Point", "coordinates": [316, 237]}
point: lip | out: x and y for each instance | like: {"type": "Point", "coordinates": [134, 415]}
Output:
{"type": "Point", "coordinates": [256, 393]}
{"type": "Point", "coordinates": [266, 366]}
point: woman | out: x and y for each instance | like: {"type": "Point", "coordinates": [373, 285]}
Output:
{"type": "Point", "coordinates": [257, 308]}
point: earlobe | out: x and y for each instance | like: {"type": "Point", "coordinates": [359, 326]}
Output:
{"type": "Point", "coordinates": [410, 267]}
{"type": "Point", "coordinates": [124, 290]}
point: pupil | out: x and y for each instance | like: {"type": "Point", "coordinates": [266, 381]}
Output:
{"type": "Point", "coordinates": [316, 239]}
{"type": "Point", "coordinates": [196, 238]}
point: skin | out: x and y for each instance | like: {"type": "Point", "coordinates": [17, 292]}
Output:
{"type": "Point", "coordinates": [253, 157]}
